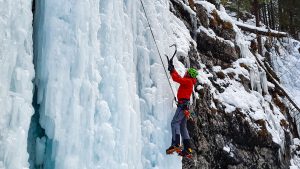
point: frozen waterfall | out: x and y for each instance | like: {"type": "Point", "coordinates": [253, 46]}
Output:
{"type": "Point", "coordinates": [16, 73]}
{"type": "Point", "coordinates": [102, 98]}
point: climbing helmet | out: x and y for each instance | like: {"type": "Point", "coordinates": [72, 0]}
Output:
{"type": "Point", "coordinates": [192, 72]}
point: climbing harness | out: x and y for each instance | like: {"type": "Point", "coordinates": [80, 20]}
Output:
{"type": "Point", "coordinates": [159, 51]}
{"type": "Point", "coordinates": [183, 103]}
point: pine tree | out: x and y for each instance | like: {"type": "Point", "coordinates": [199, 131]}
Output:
{"type": "Point", "coordinates": [282, 15]}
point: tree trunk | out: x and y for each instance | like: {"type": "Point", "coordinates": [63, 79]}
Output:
{"type": "Point", "coordinates": [256, 13]}
{"type": "Point", "coordinates": [258, 31]}
{"type": "Point", "coordinates": [238, 10]}
{"type": "Point", "coordinates": [264, 12]}
{"type": "Point", "coordinates": [192, 4]}
{"type": "Point", "coordinates": [272, 15]}
{"type": "Point", "coordinates": [292, 25]}
{"type": "Point", "coordinates": [282, 16]}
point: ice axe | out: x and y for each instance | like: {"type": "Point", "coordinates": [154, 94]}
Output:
{"type": "Point", "coordinates": [173, 54]}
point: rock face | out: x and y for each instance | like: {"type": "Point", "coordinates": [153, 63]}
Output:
{"type": "Point", "coordinates": [190, 21]}
{"type": "Point", "coordinates": [221, 50]}
{"type": "Point", "coordinates": [222, 28]}
{"type": "Point", "coordinates": [226, 140]}
{"type": "Point", "coordinates": [222, 45]}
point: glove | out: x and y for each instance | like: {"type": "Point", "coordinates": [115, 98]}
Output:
{"type": "Point", "coordinates": [187, 114]}
{"type": "Point", "coordinates": [171, 66]}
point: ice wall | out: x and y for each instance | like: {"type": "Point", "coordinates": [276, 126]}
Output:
{"type": "Point", "coordinates": [16, 73]}
{"type": "Point", "coordinates": [286, 61]}
{"type": "Point", "coordinates": [104, 99]}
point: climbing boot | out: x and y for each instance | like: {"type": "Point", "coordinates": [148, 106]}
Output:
{"type": "Point", "coordinates": [175, 145]}
{"type": "Point", "coordinates": [186, 153]}
{"type": "Point", "coordinates": [173, 148]}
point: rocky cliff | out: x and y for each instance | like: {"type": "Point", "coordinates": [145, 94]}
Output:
{"type": "Point", "coordinates": [241, 119]}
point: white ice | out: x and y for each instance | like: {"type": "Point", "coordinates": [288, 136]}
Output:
{"type": "Point", "coordinates": [16, 73]}
{"type": "Point", "coordinates": [286, 61]}
{"type": "Point", "coordinates": [105, 100]}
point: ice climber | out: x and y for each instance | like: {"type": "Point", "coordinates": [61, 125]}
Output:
{"type": "Point", "coordinates": [179, 122]}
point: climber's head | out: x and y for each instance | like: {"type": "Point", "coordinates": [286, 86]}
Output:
{"type": "Point", "coordinates": [192, 72]}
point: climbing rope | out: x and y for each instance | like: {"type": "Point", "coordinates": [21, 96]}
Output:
{"type": "Point", "coordinates": [158, 50]}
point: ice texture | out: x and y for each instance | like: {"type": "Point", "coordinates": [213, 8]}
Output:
{"type": "Point", "coordinates": [104, 98]}
{"type": "Point", "coordinates": [16, 73]}
{"type": "Point", "coordinates": [40, 151]}
{"type": "Point", "coordinates": [286, 61]}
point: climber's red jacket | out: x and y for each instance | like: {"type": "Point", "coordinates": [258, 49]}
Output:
{"type": "Point", "coordinates": [186, 85]}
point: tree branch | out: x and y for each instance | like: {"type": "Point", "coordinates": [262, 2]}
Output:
{"type": "Point", "coordinates": [261, 31]}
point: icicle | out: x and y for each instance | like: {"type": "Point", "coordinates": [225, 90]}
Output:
{"type": "Point", "coordinates": [258, 86]}
{"type": "Point", "coordinates": [252, 78]}
{"type": "Point", "coordinates": [40, 150]}
{"type": "Point", "coordinates": [258, 81]}
{"type": "Point", "coordinates": [264, 82]}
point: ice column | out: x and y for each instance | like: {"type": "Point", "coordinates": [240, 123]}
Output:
{"type": "Point", "coordinates": [67, 80]}
{"type": "Point", "coordinates": [16, 73]}
{"type": "Point", "coordinates": [104, 98]}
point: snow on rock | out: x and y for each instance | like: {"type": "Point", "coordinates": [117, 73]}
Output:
{"type": "Point", "coordinates": [186, 7]}
{"type": "Point", "coordinates": [233, 94]}
{"type": "Point", "coordinates": [251, 103]}
{"type": "Point", "coordinates": [295, 162]}
{"type": "Point", "coordinates": [212, 34]}
{"type": "Point", "coordinates": [103, 95]}
{"type": "Point", "coordinates": [208, 6]}
{"type": "Point", "coordinates": [258, 28]}
{"type": "Point", "coordinates": [240, 39]}
{"type": "Point", "coordinates": [227, 149]}
{"type": "Point", "coordinates": [16, 73]}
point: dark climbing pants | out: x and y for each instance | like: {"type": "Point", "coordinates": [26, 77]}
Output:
{"type": "Point", "coordinates": [178, 125]}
